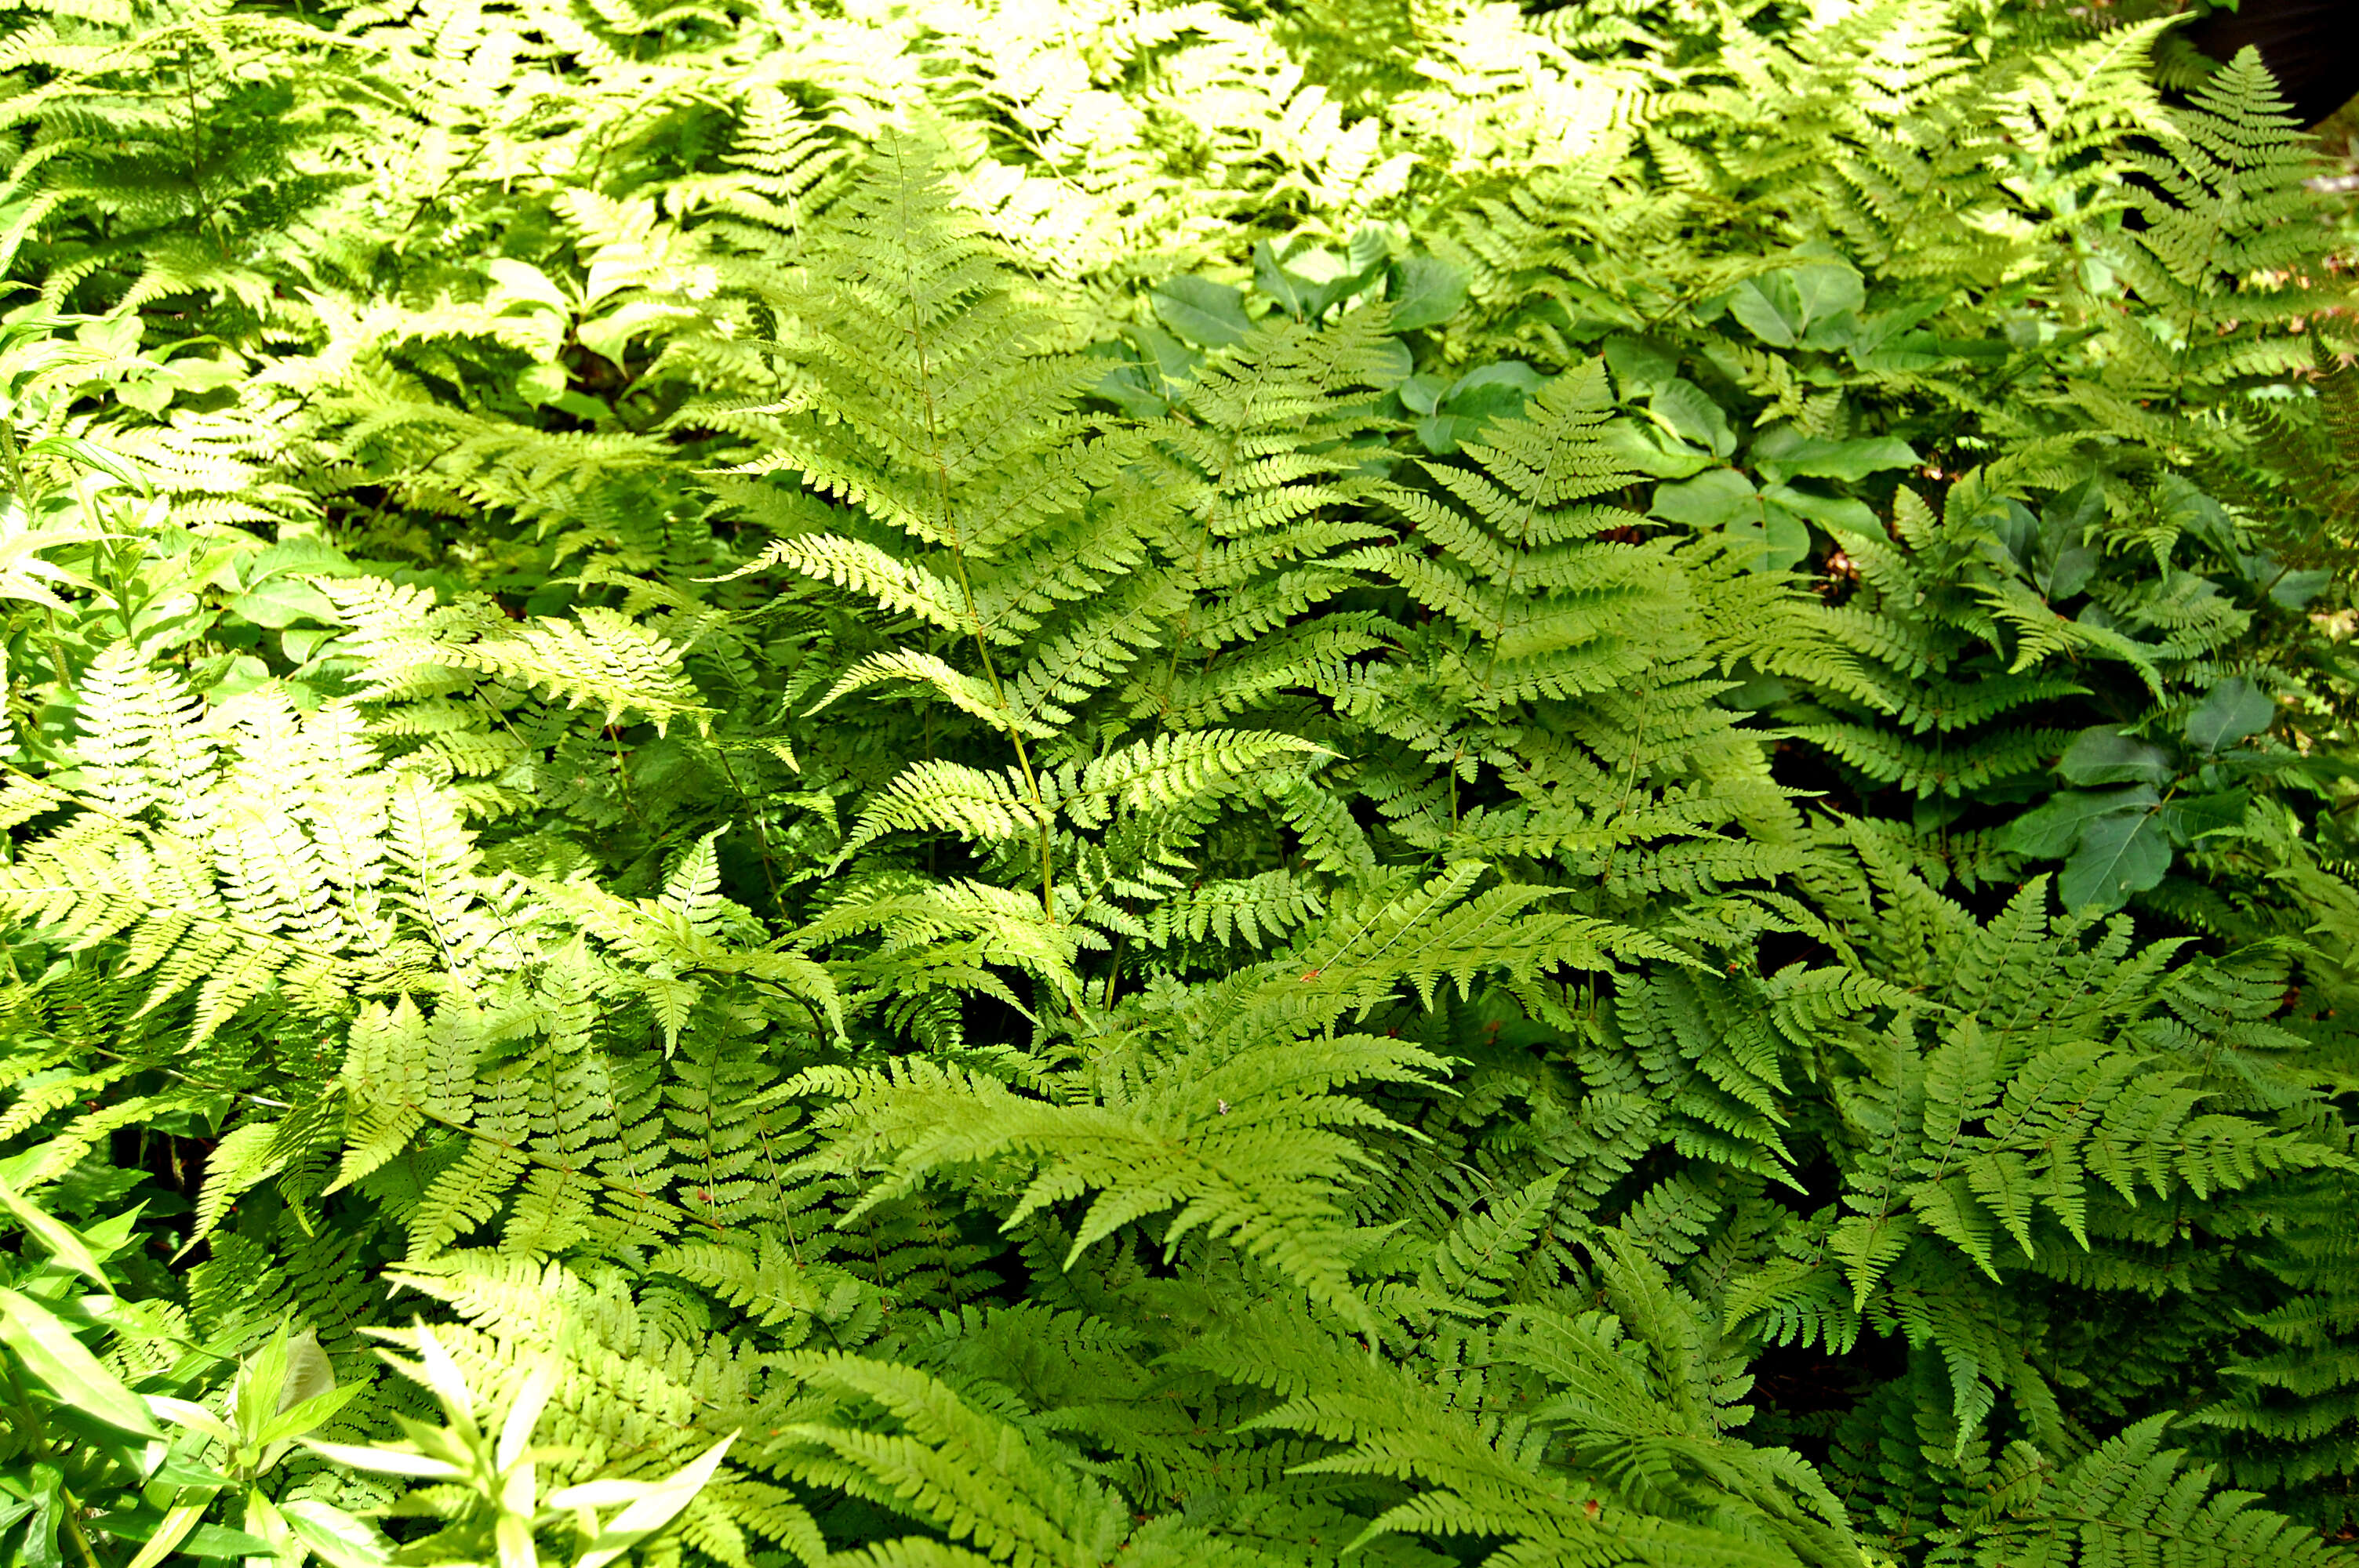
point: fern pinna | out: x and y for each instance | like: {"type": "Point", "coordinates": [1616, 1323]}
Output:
{"type": "Point", "coordinates": [1570, 790]}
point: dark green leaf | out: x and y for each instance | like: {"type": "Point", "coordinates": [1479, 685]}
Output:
{"type": "Point", "coordinates": [1725, 499]}
{"type": "Point", "coordinates": [1782, 308]}
{"type": "Point", "coordinates": [1421, 392]}
{"type": "Point", "coordinates": [2229, 712]}
{"type": "Point", "coordinates": [2294, 590]}
{"type": "Point", "coordinates": [2069, 573]}
{"type": "Point", "coordinates": [1770, 308]}
{"type": "Point", "coordinates": [1640, 369]}
{"type": "Point", "coordinates": [1787, 536]}
{"type": "Point", "coordinates": [2190, 511]}
{"type": "Point", "coordinates": [2104, 755]}
{"type": "Point", "coordinates": [1493, 389]}
{"type": "Point", "coordinates": [281, 601]}
{"type": "Point", "coordinates": [1126, 387]}
{"type": "Point", "coordinates": [1649, 450]}
{"type": "Point", "coordinates": [1785, 453]}
{"type": "Point", "coordinates": [2119, 855]}
{"type": "Point", "coordinates": [2049, 831]}
{"type": "Point", "coordinates": [1714, 500]}
{"type": "Point", "coordinates": [1827, 511]}
{"type": "Point", "coordinates": [1681, 408]}
{"type": "Point", "coordinates": [2200, 816]}
{"type": "Point", "coordinates": [1476, 399]}
{"type": "Point", "coordinates": [1291, 293]}
{"type": "Point", "coordinates": [1826, 290]}
{"type": "Point", "coordinates": [1165, 356]}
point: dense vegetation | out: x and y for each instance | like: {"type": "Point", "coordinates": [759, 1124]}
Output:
{"type": "Point", "coordinates": [1071, 782]}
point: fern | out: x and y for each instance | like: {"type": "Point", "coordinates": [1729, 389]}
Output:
{"type": "Point", "coordinates": [2226, 224]}
{"type": "Point", "coordinates": [1356, 783]}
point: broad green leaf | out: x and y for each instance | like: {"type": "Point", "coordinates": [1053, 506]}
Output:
{"type": "Point", "coordinates": [2229, 712]}
{"type": "Point", "coordinates": [1770, 306]}
{"type": "Point", "coordinates": [1785, 453]}
{"type": "Point", "coordinates": [1426, 292]}
{"type": "Point", "coordinates": [2063, 563]}
{"type": "Point", "coordinates": [1309, 279]}
{"type": "Point", "coordinates": [2069, 573]}
{"type": "Point", "coordinates": [1293, 294]}
{"type": "Point", "coordinates": [2102, 755]}
{"type": "Point", "coordinates": [309, 1413]}
{"type": "Point", "coordinates": [1786, 531]}
{"type": "Point", "coordinates": [541, 385]}
{"type": "Point", "coordinates": [2199, 817]}
{"type": "Point", "coordinates": [219, 1540]}
{"type": "Point", "coordinates": [91, 454]}
{"type": "Point", "coordinates": [1649, 450]}
{"type": "Point", "coordinates": [1493, 389]}
{"type": "Point", "coordinates": [2050, 830]}
{"type": "Point", "coordinates": [333, 1536]}
{"type": "Point", "coordinates": [2190, 511]}
{"type": "Point", "coordinates": [192, 1415]}
{"type": "Point", "coordinates": [310, 1373]}
{"type": "Point", "coordinates": [1126, 387]}
{"type": "Point", "coordinates": [652, 1508]}
{"type": "Point", "coordinates": [1202, 311]}
{"type": "Point", "coordinates": [178, 1520]}
{"type": "Point", "coordinates": [62, 1362]}
{"type": "Point", "coordinates": [1782, 308]}
{"type": "Point", "coordinates": [2118, 856]}
{"type": "Point", "coordinates": [1828, 289]}
{"type": "Point", "coordinates": [254, 1395]}
{"type": "Point", "coordinates": [1421, 393]}
{"type": "Point", "coordinates": [1827, 511]}
{"type": "Point", "coordinates": [281, 601]}
{"type": "Point", "coordinates": [1476, 399]}
{"type": "Point", "coordinates": [520, 283]}
{"type": "Point", "coordinates": [524, 1413]}
{"type": "Point", "coordinates": [385, 1461]}
{"type": "Point", "coordinates": [611, 334]}
{"type": "Point", "coordinates": [1725, 499]}
{"type": "Point", "coordinates": [2294, 589]}
{"type": "Point", "coordinates": [1714, 500]}
{"type": "Point", "coordinates": [65, 1246]}
{"type": "Point", "coordinates": [1640, 368]}
{"type": "Point", "coordinates": [1167, 357]}
{"type": "Point", "coordinates": [1682, 408]}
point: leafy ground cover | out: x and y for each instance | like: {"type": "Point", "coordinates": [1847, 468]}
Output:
{"type": "Point", "coordinates": [973, 781]}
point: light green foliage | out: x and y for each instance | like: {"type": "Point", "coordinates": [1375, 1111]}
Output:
{"type": "Point", "coordinates": [980, 782]}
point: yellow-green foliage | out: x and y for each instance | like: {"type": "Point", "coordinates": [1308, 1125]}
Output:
{"type": "Point", "coordinates": [996, 783]}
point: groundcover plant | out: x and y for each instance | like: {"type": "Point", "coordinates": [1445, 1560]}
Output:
{"type": "Point", "coordinates": [817, 782]}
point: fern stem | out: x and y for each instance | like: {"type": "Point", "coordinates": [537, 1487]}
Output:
{"type": "Point", "coordinates": [197, 163]}
{"type": "Point", "coordinates": [974, 617]}
{"type": "Point", "coordinates": [761, 828]}
{"type": "Point", "coordinates": [1015, 736]}
{"type": "Point", "coordinates": [622, 772]}
{"type": "Point", "coordinates": [1114, 974]}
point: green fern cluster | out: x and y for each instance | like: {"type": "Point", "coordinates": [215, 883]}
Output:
{"type": "Point", "coordinates": [1389, 783]}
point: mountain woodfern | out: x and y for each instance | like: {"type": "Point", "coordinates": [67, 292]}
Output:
{"type": "Point", "coordinates": [979, 783]}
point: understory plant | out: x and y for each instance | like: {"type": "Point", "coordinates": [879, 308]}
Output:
{"type": "Point", "coordinates": [981, 784]}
